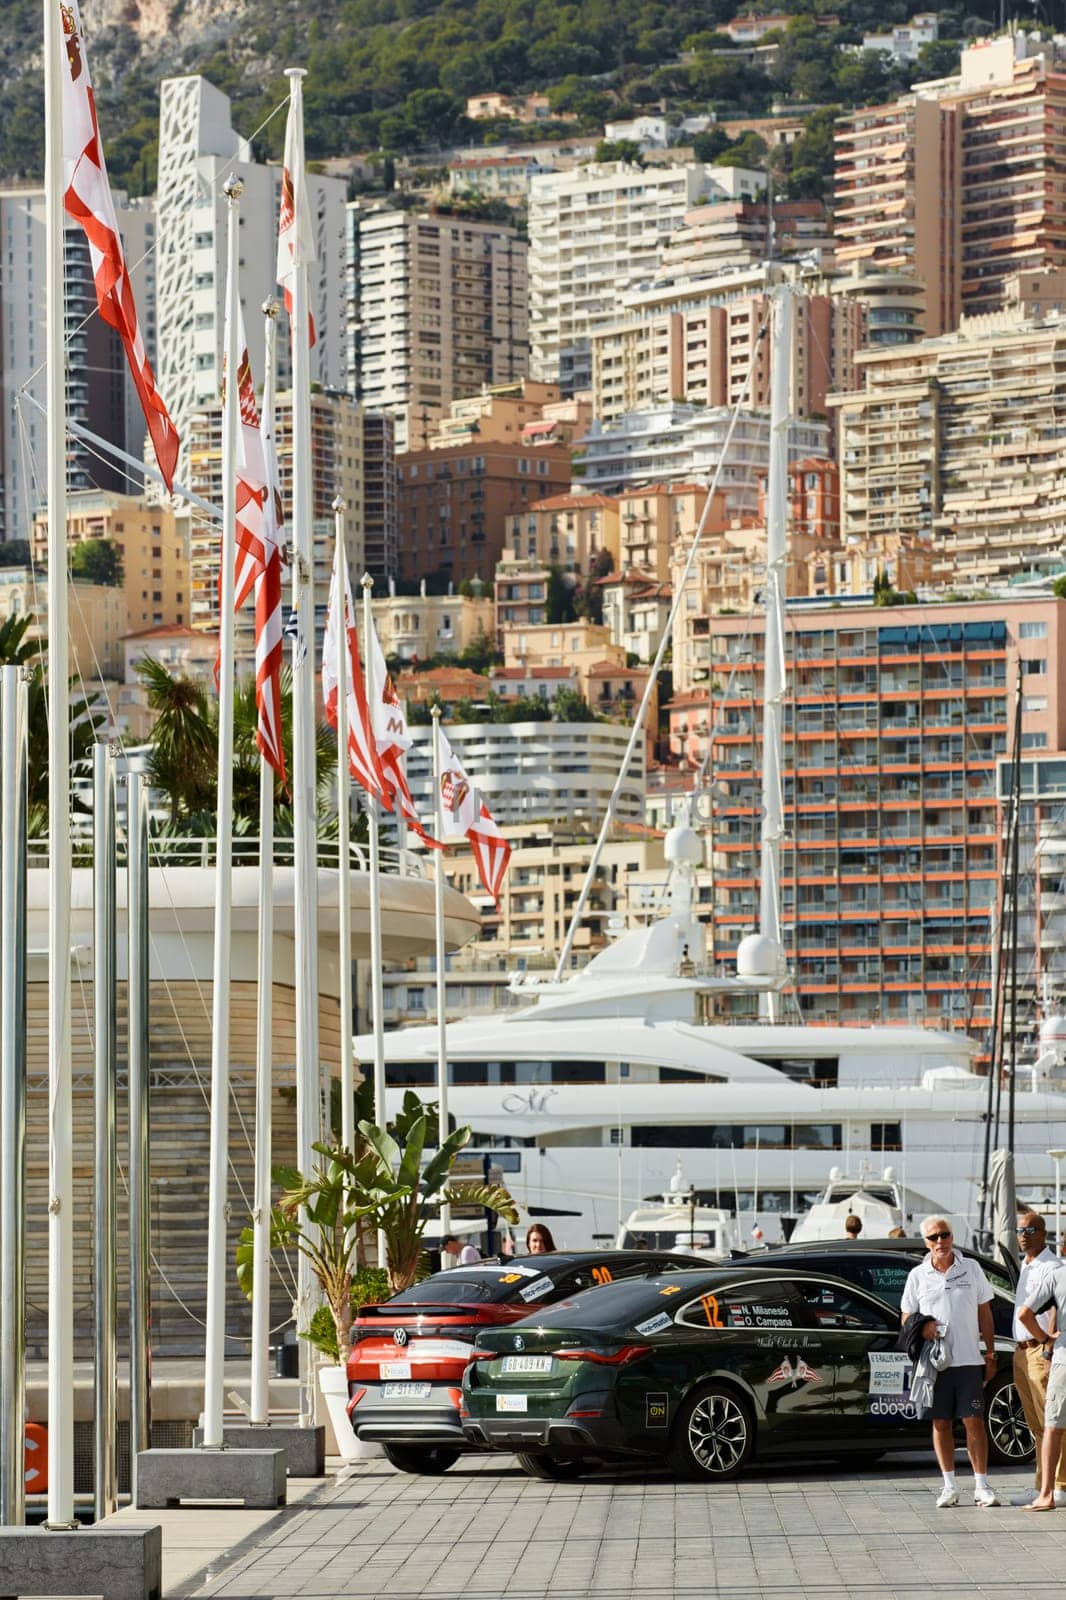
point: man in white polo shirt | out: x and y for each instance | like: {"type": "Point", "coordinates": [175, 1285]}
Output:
{"type": "Point", "coordinates": [1050, 1290]}
{"type": "Point", "coordinates": [1031, 1366]}
{"type": "Point", "coordinates": [953, 1292]}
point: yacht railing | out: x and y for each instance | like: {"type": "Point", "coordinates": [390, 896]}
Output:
{"type": "Point", "coordinates": [197, 852]}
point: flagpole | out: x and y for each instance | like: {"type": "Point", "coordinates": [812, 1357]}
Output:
{"type": "Point", "coordinates": [442, 999]}
{"type": "Point", "coordinates": [305, 847]}
{"type": "Point", "coordinates": [60, 1084]}
{"type": "Point", "coordinates": [259, 1385]}
{"type": "Point", "coordinates": [373, 695]}
{"type": "Point", "coordinates": [344, 855]}
{"type": "Point", "coordinates": [215, 1336]}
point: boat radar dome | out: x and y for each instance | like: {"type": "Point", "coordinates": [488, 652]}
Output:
{"type": "Point", "coordinates": [682, 846]}
{"type": "Point", "coordinates": [759, 956]}
{"type": "Point", "coordinates": [1053, 1029]}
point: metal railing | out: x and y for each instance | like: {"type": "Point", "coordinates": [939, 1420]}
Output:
{"type": "Point", "coordinates": [164, 851]}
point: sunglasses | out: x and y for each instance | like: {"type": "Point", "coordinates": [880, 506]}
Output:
{"type": "Point", "coordinates": [944, 1233]}
{"type": "Point", "coordinates": [1030, 1229]}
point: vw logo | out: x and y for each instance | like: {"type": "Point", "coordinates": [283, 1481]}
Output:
{"type": "Point", "coordinates": [519, 1342]}
{"type": "Point", "coordinates": [399, 1336]}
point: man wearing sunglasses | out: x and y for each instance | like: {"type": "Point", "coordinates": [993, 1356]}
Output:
{"type": "Point", "coordinates": [1031, 1366]}
{"type": "Point", "coordinates": [954, 1294]}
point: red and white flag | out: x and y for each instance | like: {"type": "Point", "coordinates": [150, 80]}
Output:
{"type": "Point", "coordinates": [87, 198]}
{"type": "Point", "coordinates": [464, 811]}
{"type": "Point", "coordinates": [296, 240]}
{"type": "Point", "coordinates": [258, 557]}
{"type": "Point", "coordinates": [363, 761]}
{"type": "Point", "coordinates": [393, 739]}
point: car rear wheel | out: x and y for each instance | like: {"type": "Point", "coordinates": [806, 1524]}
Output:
{"type": "Point", "coordinates": [714, 1435]}
{"type": "Point", "coordinates": [551, 1469]}
{"type": "Point", "coordinates": [428, 1459]}
{"type": "Point", "coordinates": [1010, 1443]}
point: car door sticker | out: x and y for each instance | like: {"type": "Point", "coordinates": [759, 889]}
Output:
{"type": "Point", "coordinates": [671, 1288]}
{"type": "Point", "coordinates": [537, 1290]}
{"type": "Point", "coordinates": [801, 1372]}
{"type": "Point", "coordinates": [890, 1386]}
{"type": "Point", "coordinates": [657, 1410]}
{"type": "Point", "coordinates": [756, 1315]}
{"type": "Point", "coordinates": [657, 1324]}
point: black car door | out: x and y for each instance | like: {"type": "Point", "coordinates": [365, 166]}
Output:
{"type": "Point", "coordinates": [872, 1377]}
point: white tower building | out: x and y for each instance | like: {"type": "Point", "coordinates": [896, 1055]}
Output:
{"type": "Point", "coordinates": [198, 149]}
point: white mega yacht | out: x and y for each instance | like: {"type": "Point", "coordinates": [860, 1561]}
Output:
{"type": "Point", "coordinates": [587, 1096]}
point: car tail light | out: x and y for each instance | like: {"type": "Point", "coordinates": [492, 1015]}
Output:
{"type": "Point", "coordinates": [484, 1355]}
{"type": "Point", "coordinates": [604, 1358]}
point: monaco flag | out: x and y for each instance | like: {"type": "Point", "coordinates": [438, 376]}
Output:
{"type": "Point", "coordinates": [258, 559]}
{"type": "Point", "coordinates": [464, 811]}
{"type": "Point", "coordinates": [296, 241]}
{"type": "Point", "coordinates": [363, 761]}
{"type": "Point", "coordinates": [393, 739]}
{"type": "Point", "coordinates": [87, 198]}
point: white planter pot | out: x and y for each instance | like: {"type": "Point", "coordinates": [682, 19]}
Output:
{"type": "Point", "coordinates": [333, 1384]}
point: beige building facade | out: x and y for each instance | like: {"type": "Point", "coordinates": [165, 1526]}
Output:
{"type": "Point", "coordinates": [96, 620]}
{"type": "Point", "coordinates": [565, 530]}
{"type": "Point", "coordinates": [416, 627]}
{"type": "Point", "coordinates": [154, 545]}
{"type": "Point", "coordinates": [578, 646]}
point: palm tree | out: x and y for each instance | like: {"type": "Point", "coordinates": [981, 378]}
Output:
{"type": "Point", "coordinates": [16, 650]}
{"type": "Point", "coordinates": [184, 745]}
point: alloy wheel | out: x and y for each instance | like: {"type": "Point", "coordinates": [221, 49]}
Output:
{"type": "Point", "coordinates": [717, 1434]}
{"type": "Point", "coordinates": [1007, 1426]}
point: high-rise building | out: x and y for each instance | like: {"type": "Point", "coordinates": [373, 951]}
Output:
{"type": "Point", "coordinates": [452, 504]}
{"type": "Point", "coordinates": [153, 543]}
{"type": "Point", "coordinates": [894, 729]}
{"type": "Point", "coordinates": [958, 181]}
{"type": "Point", "coordinates": [437, 305]}
{"type": "Point", "coordinates": [960, 438]}
{"type": "Point", "coordinates": [381, 556]}
{"type": "Point", "coordinates": [198, 150]}
{"type": "Point", "coordinates": [594, 232]}
{"type": "Point", "coordinates": [99, 392]}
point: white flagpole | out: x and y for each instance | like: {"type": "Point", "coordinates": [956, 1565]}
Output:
{"type": "Point", "coordinates": [305, 843]}
{"type": "Point", "coordinates": [259, 1386]}
{"type": "Point", "coordinates": [60, 1084]}
{"type": "Point", "coordinates": [217, 1205]}
{"type": "Point", "coordinates": [373, 694]}
{"type": "Point", "coordinates": [344, 855]}
{"type": "Point", "coordinates": [442, 999]}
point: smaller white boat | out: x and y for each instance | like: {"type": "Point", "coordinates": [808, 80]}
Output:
{"type": "Point", "coordinates": [882, 1205]}
{"type": "Point", "coordinates": [676, 1221]}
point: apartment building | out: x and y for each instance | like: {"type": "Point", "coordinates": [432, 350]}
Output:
{"type": "Point", "coordinates": [184, 651]}
{"type": "Point", "coordinates": [437, 310]}
{"type": "Point", "coordinates": [96, 621]}
{"type": "Point", "coordinates": [337, 468]}
{"type": "Point", "coordinates": [99, 392]}
{"type": "Point", "coordinates": [652, 518]}
{"type": "Point", "coordinates": [418, 627]}
{"type": "Point", "coordinates": [538, 771]}
{"type": "Point", "coordinates": [578, 646]}
{"type": "Point", "coordinates": [682, 443]}
{"type": "Point", "coordinates": [380, 551]}
{"type": "Point", "coordinates": [499, 415]}
{"type": "Point", "coordinates": [565, 530]}
{"type": "Point", "coordinates": [896, 724]}
{"type": "Point", "coordinates": [153, 542]}
{"type": "Point", "coordinates": [960, 439]}
{"type": "Point", "coordinates": [198, 150]}
{"type": "Point", "coordinates": [453, 504]}
{"type": "Point", "coordinates": [1042, 882]}
{"type": "Point", "coordinates": [718, 239]}
{"type": "Point", "coordinates": [521, 594]}
{"type": "Point", "coordinates": [593, 232]}
{"type": "Point", "coordinates": [958, 181]}
{"type": "Point", "coordinates": [635, 610]}
{"type": "Point", "coordinates": [716, 353]}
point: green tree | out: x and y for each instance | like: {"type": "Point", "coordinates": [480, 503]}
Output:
{"type": "Point", "coordinates": [559, 600]}
{"type": "Point", "coordinates": [627, 150]}
{"type": "Point", "coordinates": [569, 705]}
{"type": "Point", "coordinates": [97, 561]}
{"type": "Point", "coordinates": [183, 749]}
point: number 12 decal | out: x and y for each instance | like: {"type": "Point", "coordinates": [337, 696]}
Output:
{"type": "Point", "coordinates": [709, 1302]}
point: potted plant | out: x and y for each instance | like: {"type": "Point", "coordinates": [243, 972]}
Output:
{"type": "Point", "coordinates": [325, 1216]}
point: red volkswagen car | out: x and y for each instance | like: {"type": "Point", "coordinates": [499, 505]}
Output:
{"type": "Point", "coordinates": [408, 1354]}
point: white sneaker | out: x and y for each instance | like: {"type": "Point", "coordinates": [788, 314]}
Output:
{"type": "Point", "coordinates": [947, 1497]}
{"type": "Point", "coordinates": [1060, 1497]}
{"type": "Point", "coordinates": [985, 1497]}
{"type": "Point", "coordinates": [1024, 1499]}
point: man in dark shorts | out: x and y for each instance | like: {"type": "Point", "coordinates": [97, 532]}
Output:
{"type": "Point", "coordinates": [953, 1292]}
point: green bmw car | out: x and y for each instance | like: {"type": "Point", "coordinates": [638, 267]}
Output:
{"type": "Point", "coordinates": [705, 1370]}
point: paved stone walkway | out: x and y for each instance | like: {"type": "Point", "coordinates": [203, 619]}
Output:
{"type": "Point", "coordinates": [484, 1530]}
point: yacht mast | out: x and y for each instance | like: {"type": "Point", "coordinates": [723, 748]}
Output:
{"type": "Point", "coordinates": [773, 809]}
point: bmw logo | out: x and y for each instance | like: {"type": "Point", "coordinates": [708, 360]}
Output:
{"type": "Point", "coordinates": [519, 1342]}
{"type": "Point", "coordinates": [399, 1336]}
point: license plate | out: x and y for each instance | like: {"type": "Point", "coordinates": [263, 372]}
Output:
{"type": "Point", "coordinates": [395, 1369]}
{"type": "Point", "coordinates": [407, 1391]}
{"type": "Point", "coordinates": [511, 1402]}
{"type": "Point", "coordinates": [527, 1363]}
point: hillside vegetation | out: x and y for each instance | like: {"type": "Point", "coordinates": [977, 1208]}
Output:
{"type": "Point", "coordinates": [395, 74]}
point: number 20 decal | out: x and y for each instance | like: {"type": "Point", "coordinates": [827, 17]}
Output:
{"type": "Point", "coordinates": [709, 1302]}
{"type": "Point", "coordinates": [602, 1275]}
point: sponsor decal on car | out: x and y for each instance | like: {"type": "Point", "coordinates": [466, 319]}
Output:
{"type": "Point", "coordinates": [796, 1374]}
{"type": "Point", "coordinates": [656, 1410]}
{"type": "Point", "coordinates": [657, 1324]}
{"type": "Point", "coordinates": [890, 1387]}
{"type": "Point", "coordinates": [511, 1402]}
{"type": "Point", "coordinates": [537, 1290]}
